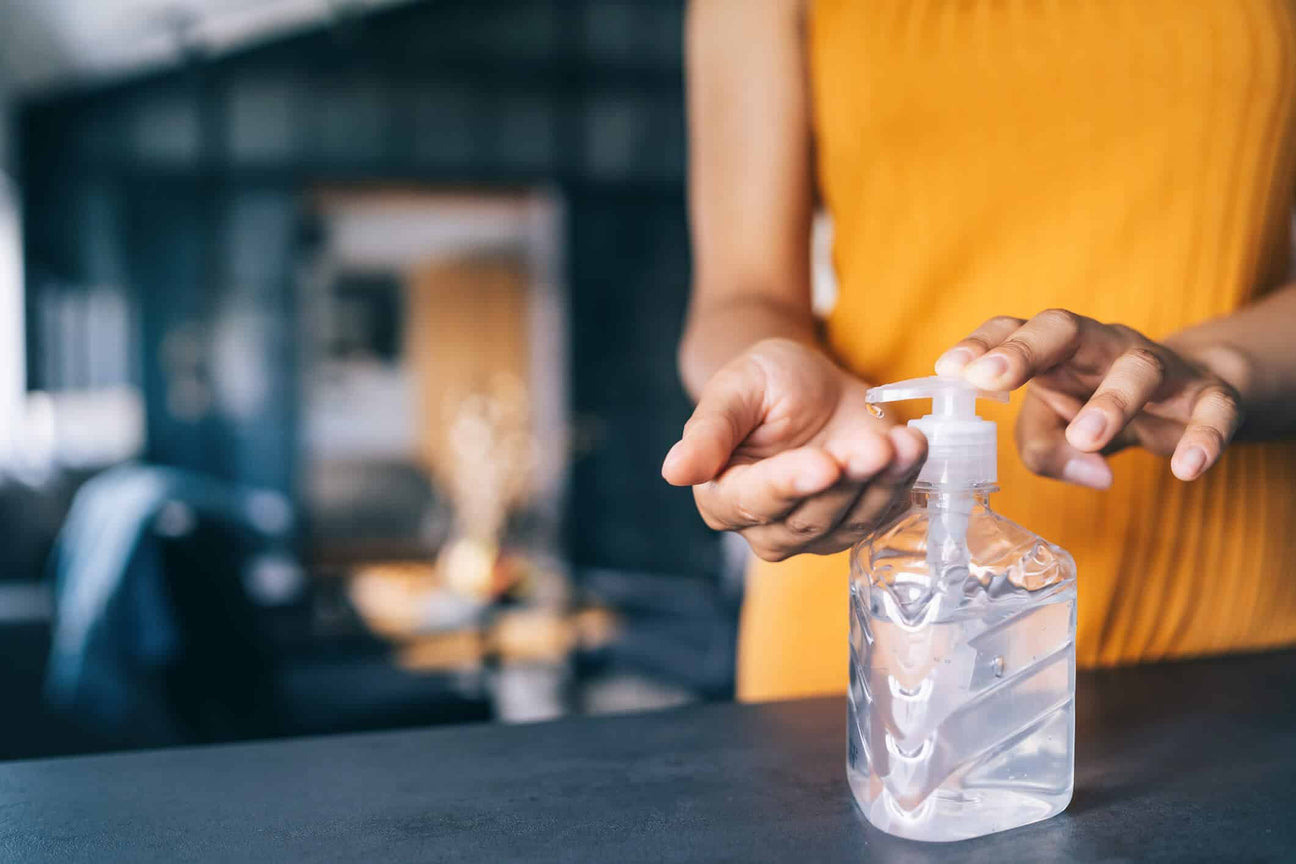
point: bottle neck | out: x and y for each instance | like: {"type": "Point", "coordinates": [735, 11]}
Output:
{"type": "Point", "coordinates": [927, 496]}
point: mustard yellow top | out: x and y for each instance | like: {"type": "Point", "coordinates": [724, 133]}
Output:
{"type": "Point", "coordinates": [1130, 161]}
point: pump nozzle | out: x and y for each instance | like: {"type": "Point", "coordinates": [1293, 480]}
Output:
{"type": "Point", "coordinates": [961, 448]}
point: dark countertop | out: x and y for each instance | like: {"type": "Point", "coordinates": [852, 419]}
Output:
{"type": "Point", "coordinates": [1179, 762]}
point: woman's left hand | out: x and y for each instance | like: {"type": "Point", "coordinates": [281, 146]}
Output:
{"type": "Point", "coordinates": [1098, 388]}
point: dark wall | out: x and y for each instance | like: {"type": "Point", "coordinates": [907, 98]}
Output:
{"type": "Point", "coordinates": [182, 190]}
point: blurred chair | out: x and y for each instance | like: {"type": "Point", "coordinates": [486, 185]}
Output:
{"type": "Point", "coordinates": [155, 639]}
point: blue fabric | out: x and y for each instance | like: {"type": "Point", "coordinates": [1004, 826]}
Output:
{"type": "Point", "coordinates": [113, 619]}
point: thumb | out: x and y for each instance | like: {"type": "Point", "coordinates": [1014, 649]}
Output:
{"type": "Point", "coordinates": [1041, 441]}
{"type": "Point", "coordinates": [730, 408]}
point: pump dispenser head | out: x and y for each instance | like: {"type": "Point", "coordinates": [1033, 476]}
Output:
{"type": "Point", "coordinates": [961, 449]}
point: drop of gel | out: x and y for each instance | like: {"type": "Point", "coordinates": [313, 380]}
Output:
{"type": "Point", "coordinates": [876, 410]}
{"type": "Point", "coordinates": [998, 667]}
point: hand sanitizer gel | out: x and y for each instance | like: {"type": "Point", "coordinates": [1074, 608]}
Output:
{"type": "Point", "coordinates": [962, 646]}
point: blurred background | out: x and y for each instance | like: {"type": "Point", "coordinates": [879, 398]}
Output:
{"type": "Point", "coordinates": [337, 366]}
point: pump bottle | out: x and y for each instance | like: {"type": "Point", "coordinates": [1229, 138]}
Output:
{"type": "Point", "coordinates": [962, 646]}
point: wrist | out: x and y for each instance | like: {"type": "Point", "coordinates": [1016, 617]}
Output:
{"type": "Point", "coordinates": [719, 331]}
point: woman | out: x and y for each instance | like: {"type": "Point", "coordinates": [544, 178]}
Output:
{"type": "Point", "coordinates": [1110, 185]}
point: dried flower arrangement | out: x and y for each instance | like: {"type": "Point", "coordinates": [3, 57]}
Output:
{"type": "Point", "coordinates": [488, 476]}
{"type": "Point", "coordinates": [486, 469]}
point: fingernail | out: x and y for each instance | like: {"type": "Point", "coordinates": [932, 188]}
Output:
{"type": "Point", "coordinates": [861, 468]}
{"type": "Point", "coordinates": [1088, 427]}
{"type": "Point", "coordinates": [672, 456]}
{"type": "Point", "coordinates": [952, 361]}
{"type": "Point", "coordinates": [987, 370]}
{"type": "Point", "coordinates": [1087, 472]}
{"type": "Point", "coordinates": [812, 481]}
{"type": "Point", "coordinates": [1190, 463]}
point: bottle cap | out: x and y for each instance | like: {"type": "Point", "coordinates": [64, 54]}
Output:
{"type": "Point", "coordinates": [961, 447]}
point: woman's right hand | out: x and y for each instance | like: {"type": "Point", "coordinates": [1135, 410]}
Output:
{"type": "Point", "coordinates": [783, 450]}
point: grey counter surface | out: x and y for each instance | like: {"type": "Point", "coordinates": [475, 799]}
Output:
{"type": "Point", "coordinates": [1179, 762]}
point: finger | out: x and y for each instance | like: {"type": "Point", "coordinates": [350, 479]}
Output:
{"type": "Point", "coordinates": [910, 447]}
{"type": "Point", "coordinates": [821, 516]}
{"type": "Point", "coordinates": [979, 341]}
{"type": "Point", "coordinates": [1042, 443]}
{"type": "Point", "coordinates": [811, 520]}
{"type": "Point", "coordinates": [730, 408]}
{"type": "Point", "coordinates": [861, 459]}
{"type": "Point", "coordinates": [1145, 430]}
{"type": "Point", "coordinates": [1131, 381]}
{"type": "Point", "coordinates": [1215, 417]}
{"type": "Point", "coordinates": [1043, 342]}
{"type": "Point", "coordinates": [884, 497]}
{"type": "Point", "coordinates": [818, 525]}
{"type": "Point", "coordinates": [761, 492]}
{"type": "Point", "coordinates": [861, 453]}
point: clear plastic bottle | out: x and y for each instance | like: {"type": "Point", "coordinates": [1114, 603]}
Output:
{"type": "Point", "coordinates": [962, 647]}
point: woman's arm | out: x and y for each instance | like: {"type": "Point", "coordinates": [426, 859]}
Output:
{"type": "Point", "coordinates": [781, 447]}
{"type": "Point", "coordinates": [1254, 349]}
{"type": "Point", "coordinates": [750, 187]}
